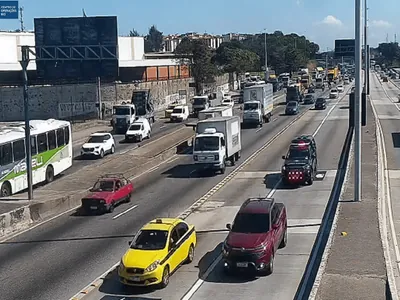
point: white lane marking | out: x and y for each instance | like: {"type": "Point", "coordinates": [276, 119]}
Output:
{"type": "Point", "coordinates": [124, 212]}
{"type": "Point", "coordinates": [129, 149]}
{"type": "Point", "coordinates": [170, 160]}
{"type": "Point", "coordinates": [163, 126]}
{"type": "Point", "coordinates": [259, 129]}
{"type": "Point", "coordinates": [384, 194]}
{"type": "Point", "coordinates": [199, 282]}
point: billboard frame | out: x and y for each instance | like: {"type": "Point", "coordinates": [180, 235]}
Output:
{"type": "Point", "coordinates": [342, 50]}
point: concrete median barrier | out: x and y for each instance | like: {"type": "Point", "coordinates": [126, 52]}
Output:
{"type": "Point", "coordinates": [57, 200]}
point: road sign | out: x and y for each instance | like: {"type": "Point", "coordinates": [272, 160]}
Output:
{"type": "Point", "coordinates": [345, 48]}
{"type": "Point", "coordinates": [80, 48]}
{"type": "Point", "coordinates": [8, 9]}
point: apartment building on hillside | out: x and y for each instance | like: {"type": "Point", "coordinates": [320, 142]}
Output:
{"type": "Point", "coordinates": [172, 41]}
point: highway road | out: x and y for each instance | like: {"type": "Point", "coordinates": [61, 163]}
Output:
{"type": "Point", "coordinates": [384, 97]}
{"type": "Point", "coordinates": [159, 128]}
{"type": "Point", "coordinates": [60, 257]}
{"type": "Point", "coordinates": [204, 278]}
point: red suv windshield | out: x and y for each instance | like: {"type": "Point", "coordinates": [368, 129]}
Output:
{"type": "Point", "coordinates": [251, 223]}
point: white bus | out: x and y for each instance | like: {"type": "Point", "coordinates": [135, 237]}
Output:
{"type": "Point", "coordinates": [51, 148]}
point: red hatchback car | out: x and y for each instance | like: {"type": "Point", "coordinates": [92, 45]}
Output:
{"type": "Point", "coordinates": [259, 229]}
{"type": "Point", "coordinates": [109, 191]}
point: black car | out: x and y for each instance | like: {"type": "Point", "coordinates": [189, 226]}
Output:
{"type": "Point", "coordinates": [309, 99]}
{"type": "Point", "coordinates": [311, 90]}
{"type": "Point", "coordinates": [320, 103]}
{"type": "Point", "coordinates": [300, 165]}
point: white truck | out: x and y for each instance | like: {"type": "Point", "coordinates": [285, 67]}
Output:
{"type": "Point", "coordinates": [123, 116]}
{"type": "Point", "coordinates": [217, 141]}
{"type": "Point", "coordinates": [258, 104]}
{"type": "Point", "coordinates": [217, 111]}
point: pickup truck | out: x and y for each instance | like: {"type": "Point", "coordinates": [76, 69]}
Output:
{"type": "Point", "coordinates": [258, 231]}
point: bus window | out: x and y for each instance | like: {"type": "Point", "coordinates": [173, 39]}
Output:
{"type": "Point", "coordinates": [42, 142]}
{"type": "Point", "coordinates": [60, 137]}
{"type": "Point", "coordinates": [6, 154]}
{"type": "Point", "coordinates": [51, 137]}
{"type": "Point", "coordinates": [33, 145]}
{"type": "Point", "coordinates": [19, 150]}
{"type": "Point", "coordinates": [66, 135]}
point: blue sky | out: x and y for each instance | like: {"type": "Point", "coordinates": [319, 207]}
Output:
{"type": "Point", "coordinates": [321, 21]}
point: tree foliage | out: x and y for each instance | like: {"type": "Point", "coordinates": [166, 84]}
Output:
{"type": "Point", "coordinates": [134, 32]}
{"type": "Point", "coordinates": [153, 41]}
{"type": "Point", "coordinates": [200, 58]}
{"type": "Point", "coordinates": [233, 57]}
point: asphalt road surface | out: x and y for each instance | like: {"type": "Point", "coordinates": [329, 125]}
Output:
{"type": "Point", "coordinates": [60, 257]}
{"type": "Point", "coordinates": [204, 278]}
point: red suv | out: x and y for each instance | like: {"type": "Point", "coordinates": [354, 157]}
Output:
{"type": "Point", "coordinates": [259, 229]}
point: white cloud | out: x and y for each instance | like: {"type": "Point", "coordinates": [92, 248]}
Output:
{"type": "Point", "coordinates": [331, 20]}
{"type": "Point", "coordinates": [380, 24]}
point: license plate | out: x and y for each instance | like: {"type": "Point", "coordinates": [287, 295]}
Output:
{"type": "Point", "coordinates": [242, 264]}
{"type": "Point", "coordinates": [93, 207]}
{"type": "Point", "coordinates": [135, 278]}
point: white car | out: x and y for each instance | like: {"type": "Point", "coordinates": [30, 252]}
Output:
{"type": "Point", "coordinates": [138, 130]}
{"type": "Point", "coordinates": [333, 94]}
{"type": "Point", "coordinates": [99, 144]}
{"type": "Point", "coordinates": [228, 102]}
{"type": "Point", "coordinates": [180, 113]}
{"type": "Point", "coordinates": [340, 88]}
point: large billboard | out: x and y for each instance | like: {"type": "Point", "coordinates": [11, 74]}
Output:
{"type": "Point", "coordinates": [76, 48]}
{"type": "Point", "coordinates": [345, 48]}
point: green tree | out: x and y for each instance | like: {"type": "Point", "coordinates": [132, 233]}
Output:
{"type": "Point", "coordinates": [232, 57]}
{"type": "Point", "coordinates": [198, 56]}
{"type": "Point", "coordinates": [153, 41]}
{"type": "Point", "coordinates": [133, 32]}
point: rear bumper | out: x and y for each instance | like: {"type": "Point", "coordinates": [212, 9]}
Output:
{"type": "Point", "coordinates": [209, 166]}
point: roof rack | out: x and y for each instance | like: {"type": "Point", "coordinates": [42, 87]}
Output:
{"type": "Point", "coordinates": [114, 175]}
{"type": "Point", "coordinates": [259, 199]}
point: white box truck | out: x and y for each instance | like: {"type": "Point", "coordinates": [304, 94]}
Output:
{"type": "Point", "coordinates": [258, 104]}
{"type": "Point", "coordinates": [217, 141]}
{"type": "Point", "coordinates": [217, 111]}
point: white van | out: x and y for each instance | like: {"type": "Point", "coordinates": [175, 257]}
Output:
{"type": "Point", "coordinates": [138, 130]}
{"type": "Point", "coordinates": [180, 113]}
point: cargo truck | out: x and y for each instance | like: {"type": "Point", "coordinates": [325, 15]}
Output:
{"type": "Point", "coordinates": [123, 116]}
{"type": "Point", "coordinates": [217, 141]}
{"type": "Point", "coordinates": [218, 111]}
{"type": "Point", "coordinates": [143, 101]}
{"type": "Point", "coordinates": [258, 104]}
{"type": "Point", "coordinates": [294, 93]}
{"type": "Point", "coordinates": [200, 103]}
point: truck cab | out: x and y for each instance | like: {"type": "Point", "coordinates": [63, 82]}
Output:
{"type": "Point", "coordinates": [200, 103]}
{"type": "Point", "coordinates": [123, 116]}
{"type": "Point", "coordinates": [293, 93]}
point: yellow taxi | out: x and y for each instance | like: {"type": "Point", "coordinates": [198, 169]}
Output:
{"type": "Point", "coordinates": [156, 251]}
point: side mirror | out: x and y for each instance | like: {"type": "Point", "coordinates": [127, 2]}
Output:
{"type": "Point", "coordinates": [283, 157]}
{"type": "Point", "coordinates": [275, 226]}
{"type": "Point", "coordinates": [229, 226]}
{"type": "Point", "coordinates": [91, 190]}
{"type": "Point", "coordinates": [130, 243]}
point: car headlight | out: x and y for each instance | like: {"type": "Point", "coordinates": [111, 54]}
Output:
{"type": "Point", "coordinates": [152, 267]}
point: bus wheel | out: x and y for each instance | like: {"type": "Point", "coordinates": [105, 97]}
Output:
{"type": "Point", "coordinates": [5, 189]}
{"type": "Point", "coordinates": [49, 174]}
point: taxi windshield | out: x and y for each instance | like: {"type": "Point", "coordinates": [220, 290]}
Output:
{"type": "Point", "coordinates": [298, 153]}
{"type": "Point", "coordinates": [150, 240]}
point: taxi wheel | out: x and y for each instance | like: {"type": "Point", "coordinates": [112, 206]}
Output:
{"type": "Point", "coordinates": [190, 255]}
{"type": "Point", "coordinates": [165, 278]}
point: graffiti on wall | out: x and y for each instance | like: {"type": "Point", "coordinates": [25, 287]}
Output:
{"type": "Point", "coordinates": [73, 109]}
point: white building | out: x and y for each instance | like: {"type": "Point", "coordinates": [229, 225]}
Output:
{"type": "Point", "coordinates": [172, 41]}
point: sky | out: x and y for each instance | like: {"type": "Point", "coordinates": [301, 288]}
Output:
{"type": "Point", "coordinates": [321, 21]}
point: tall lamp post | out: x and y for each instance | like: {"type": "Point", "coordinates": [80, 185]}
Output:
{"type": "Point", "coordinates": [266, 54]}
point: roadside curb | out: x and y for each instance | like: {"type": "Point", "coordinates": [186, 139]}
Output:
{"type": "Point", "coordinates": [23, 217]}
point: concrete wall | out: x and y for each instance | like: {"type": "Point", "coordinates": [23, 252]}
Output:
{"type": "Point", "coordinates": [78, 101]}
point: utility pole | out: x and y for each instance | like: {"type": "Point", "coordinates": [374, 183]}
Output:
{"type": "Point", "coordinates": [266, 55]}
{"type": "Point", "coordinates": [357, 104]}
{"type": "Point", "coordinates": [326, 66]}
{"type": "Point", "coordinates": [21, 18]}
{"type": "Point", "coordinates": [28, 161]}
{"type": "Point", "coordinates": [366, 58]}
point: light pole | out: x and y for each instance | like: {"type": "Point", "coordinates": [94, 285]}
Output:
{"type": "Point", "coordinates": [266, 54]}
{"type": "Point", "coordinates": [357, 103]}
{"type": "Point", "coordinates": [366, 58]}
